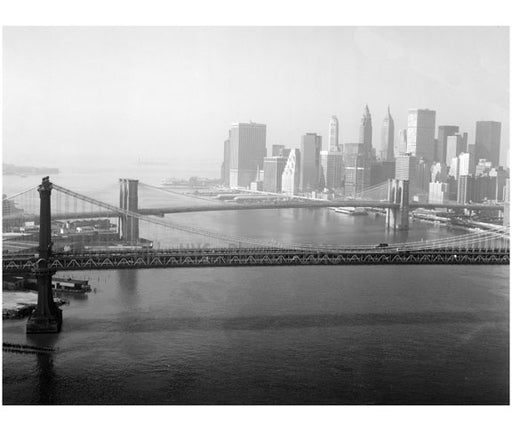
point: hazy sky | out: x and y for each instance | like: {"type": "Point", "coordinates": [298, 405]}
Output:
{"type": "Point", "coordinates": [95, 96]}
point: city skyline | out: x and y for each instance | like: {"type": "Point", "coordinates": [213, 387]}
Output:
{"type": "Point", "coordinates": [150, 108]}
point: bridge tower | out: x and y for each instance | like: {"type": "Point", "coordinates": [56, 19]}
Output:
{"type": "Point", "coordinates": [47, 317]}
{"type": "Point", "coordinates": [129, 200]}
{"type": "Point", "coordinates": [398, 193]}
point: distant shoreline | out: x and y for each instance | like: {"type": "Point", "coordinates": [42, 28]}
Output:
{"type": "Point", "coordinates": [9, 169]}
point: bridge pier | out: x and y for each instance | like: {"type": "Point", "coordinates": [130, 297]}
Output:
{"type": "Point", "coordinates": [129, 200]}
{"type": "Point", "coordinates": [398, 193]}
{"type": "Point", "coordinates": [47, 317]}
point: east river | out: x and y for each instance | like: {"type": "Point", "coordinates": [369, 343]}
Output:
{"type": "Point", "coordinates": [272, 335]}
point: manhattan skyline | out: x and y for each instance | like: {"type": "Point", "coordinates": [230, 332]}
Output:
{"type": "Point", "coordinates": [170, 94]}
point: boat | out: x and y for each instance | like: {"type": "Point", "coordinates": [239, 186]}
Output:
{"type": "Point", "coordinates": [351, 211]}
{"type": "Point", "coordinates": [70, 286]}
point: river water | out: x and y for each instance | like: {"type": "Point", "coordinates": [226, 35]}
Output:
{"type": "Point", "coordinates": [274, 335]}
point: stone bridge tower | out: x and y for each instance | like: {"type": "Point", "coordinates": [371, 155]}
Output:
{"type": "Point", "coordinates": [398, 193]}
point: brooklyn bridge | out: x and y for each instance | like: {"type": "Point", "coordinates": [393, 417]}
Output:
{"type": "Point", "coordinates": [50, 228]}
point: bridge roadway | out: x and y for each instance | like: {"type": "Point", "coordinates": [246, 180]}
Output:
{"type": "Point", "coordinates": [255, 206]}
{"type": "Point", "coordinates": [133, 259]}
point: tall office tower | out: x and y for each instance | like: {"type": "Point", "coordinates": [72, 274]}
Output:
{"type": "Point", "coordinates": [466, 164]}
{"type": "Point", "coordinates": [421, 129]}
{"type": "Point", "coordinates": [506, 201]}
{"type": "Point", "coordinates": [437, 193]}
{"type": "Point", "coordinates": [277, 150]}
{"type": "Point", "coordinates": [442, 139]}
{"type": "Point", "coordinates": [357, 168]}
{"type": "Point", "coordinates": [247, 150]}
{"type": "Point", "coordinates": [487, 141]}
{"type": "Point", "coordinates": [466, 189]}
{"type": "Point", "coordinates": [438, 173]}
{"type": "Point", "coordinates": [501, 176]}
{"type": "Point", "coordinates": [334, 135]}
{"type": "Point", "coordinates": [291, 174]}
{"type": "Point", "coordinates": [387, 151]}
{"type": "Point", "coordinates": [225, 164]}
{"type": "Point", "coordinates": [454, 146]}
{"type": "Point", "coordinates": [485, 188]}
{"type": "Point", "coordinates": [405, 168]}
{"type": "Point", "coordinates": [483, 167]}
{"type": "Point", "coordinates": [401, 145]}
{"type": "Point", "coordinates": [454, 168]}
{"type": "Point", "coordinates": [365, 134]}
{"type": "Point", "coordinates": [332, 169]}
{"type": "Point", "coordinates": [310, 147]}
{"type": "Point", "coordinates": [273, 168]}
{"type": "Point", "coordinates": [423, 175]}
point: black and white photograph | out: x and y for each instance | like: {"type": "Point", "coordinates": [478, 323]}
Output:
{"type": "Point", "coordinates": [255, 215]}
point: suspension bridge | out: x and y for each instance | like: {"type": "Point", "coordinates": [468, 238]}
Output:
{"type": "Point", "coordinates": [62, 230]}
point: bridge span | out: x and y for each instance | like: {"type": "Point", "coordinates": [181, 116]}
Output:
{"type": "Point", "coordinates": [206, 257]}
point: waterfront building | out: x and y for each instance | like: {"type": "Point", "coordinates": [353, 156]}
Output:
{"type": "Point", "coordinates": [387, 152]}
{"type": "Point", "coordinates": [273, 168]}
{"type": "Point", "coordinates": [247, 150]}
{"type": "Point", "coordinates": [310, 147]}
{"type": "Point", "coordinates": [438, 193]}
{"type": "Point", "coordinates": [442, 141]}
{"type": "Point", "coordinates": [291, 174]}
{"type": "Point", "coordinates": [487, 141]}
{"type": "Point", "coordinates": [332, 169]}
{"type": "Point", "coordinates": [365, 134]}
{"type": "Point", "coordinates": [421, 124]}
{"type": "Point", "coordinates": [334, 135]}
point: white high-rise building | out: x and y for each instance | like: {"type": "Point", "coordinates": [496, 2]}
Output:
{"type": "Point", "coordinates": [454, 168]}
{"type": "Point", "coordinates": [438, 193]}
{"type": "Point", "coordinates": [421, 130]}
{"type": "Point", "coordinates": [291, 175]}
{"type": "Point", "coordinates": [466, 164]}
{"type": "Point", "coordinates": [334, 135]}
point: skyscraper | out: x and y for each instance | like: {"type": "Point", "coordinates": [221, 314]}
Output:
{"type": "Point", "coordinates": [387, 138]}
{"type": "Point", "coordinates": [454, 146]}
{"type": "Point", "coordinates": [247, 150]}
{"type": "Point", "coordinates": [277, 150]}
{"type": "Point", "coordinates": [273, 168]}
{"type": "Point", "coordinates": [442, 135]}
{"type": "Point", "coordinates": [332, 169]}
{"type": "Point", "coordinates": [365, 134]}
{"type": "Point", "coordinates": [487, 141]}
{"type": "Point", "coordinates": [405, 168]}
{"type": "Point", "coordinates": [225, 163]}
{"type": "Point", "coordinates": [291, 173]}
{"type": "Point", "coordinates": [310, 147]}
{"type": "Point", "coordinates": [357, 172]}
{"type": "Point", "coordinates": [421, 129]}
{"type": "Point", "coordinates": [334, 135]}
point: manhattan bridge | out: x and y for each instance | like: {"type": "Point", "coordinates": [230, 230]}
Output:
{"type": "Point", "coordinates": [50, 228]}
